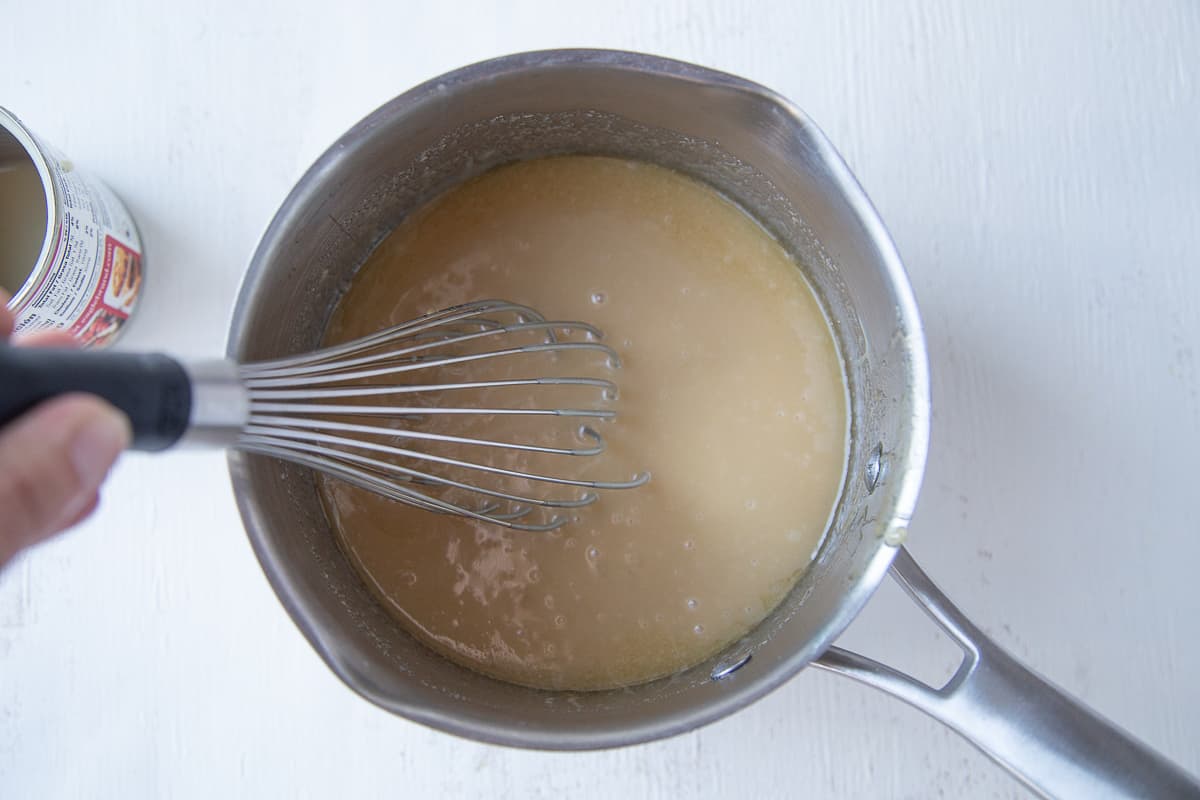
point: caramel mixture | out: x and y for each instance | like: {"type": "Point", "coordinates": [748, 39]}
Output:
{"type": "Point", "coordinates": [731, 395]}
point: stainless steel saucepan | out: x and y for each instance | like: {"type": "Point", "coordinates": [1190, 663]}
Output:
{"type": "Point", "coordinates": [764, 153]}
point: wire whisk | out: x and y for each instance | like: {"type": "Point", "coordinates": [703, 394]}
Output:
{"type": "Point", "coordinates": [379, 412]}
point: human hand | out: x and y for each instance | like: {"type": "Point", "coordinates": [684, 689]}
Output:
{"type": "Point", "coordinates": [53, 458]}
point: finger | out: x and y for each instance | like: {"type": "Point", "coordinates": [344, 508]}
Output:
{"type": "Point", "coordinates": [81, 515]}
{"type": "Point", "coordinates": [54, 338]}
{"type": "Point", "coordinates": [6, 317]}
{"type": "Point", "coordinates": [52, 462]}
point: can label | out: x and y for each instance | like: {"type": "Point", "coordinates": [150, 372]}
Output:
{"type": "Point", "coordinates": [94, 276]}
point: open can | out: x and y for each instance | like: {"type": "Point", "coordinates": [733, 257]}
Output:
{"type": "Point", "coordinates": [70, 255]}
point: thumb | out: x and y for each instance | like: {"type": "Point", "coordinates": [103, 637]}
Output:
{"type": "Point", "coordinates": [52, 462]}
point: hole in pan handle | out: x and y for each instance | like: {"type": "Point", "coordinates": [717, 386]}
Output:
{"type": "Point", "coordinates": [1053, 743]}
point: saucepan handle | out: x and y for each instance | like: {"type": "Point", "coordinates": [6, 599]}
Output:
{"type": "Point", "coordinates": [1051, 742]}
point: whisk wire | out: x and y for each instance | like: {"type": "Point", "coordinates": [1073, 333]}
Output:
{"type": "Point", "coordinates": [291, 401]}
{"type": "Point", "coordinates": [370, 391]}
{"type": "Point", "coordinates": [403, 362]}
{"type": "Point", "coordinates": [302, 440]}
{"type": "Point", "coordinates": [394, 491]}
{"type": "Point", "coordinates": [528, 319]}
{"type": "Point", "coordinates": [388, 468]}
{"type": "Point", "coordinates": [292, 423]}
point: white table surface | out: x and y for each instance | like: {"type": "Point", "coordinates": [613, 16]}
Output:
{"type": "Point", "coordinates": [1039, 168]}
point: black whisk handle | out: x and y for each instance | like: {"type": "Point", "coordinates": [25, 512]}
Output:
{"type": "Point", "coordinates": [153, 390]}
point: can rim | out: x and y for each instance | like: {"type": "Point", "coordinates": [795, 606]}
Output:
{"type": "Point", "coordinates": [23, 294]}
